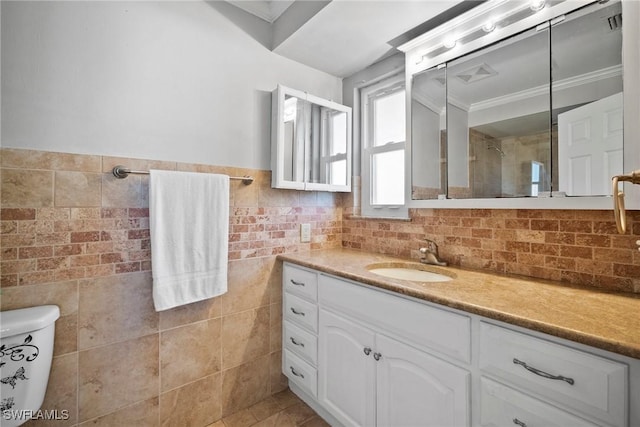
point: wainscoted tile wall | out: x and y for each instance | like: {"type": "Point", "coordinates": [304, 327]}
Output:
{"type": "Point", "coordinates": [572, 246]}
{"type": "Point", "coordinates": [75, 236]}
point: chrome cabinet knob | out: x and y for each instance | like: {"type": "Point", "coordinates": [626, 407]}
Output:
{"type": "Point", "coordinates": [377, 356]}
{"type": "Point", "coordinates": [367, 351]}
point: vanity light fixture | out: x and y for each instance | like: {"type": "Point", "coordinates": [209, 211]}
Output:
{"type": "Point", "coordinates": [537, 5]}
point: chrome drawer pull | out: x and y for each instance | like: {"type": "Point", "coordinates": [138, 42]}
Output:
{"type": "Point", "coordinates": [542, 373]}
{"type": "Point", "coordinates": [299, 313]}
{"type": "Point", "coordinates": [293, 371]}
{"type": "Point", "coordinates": [297, 283]}
{"type": "Point", "coordinates": [293, 340]}
{"type": "Point", "coordinates": [518, 422]}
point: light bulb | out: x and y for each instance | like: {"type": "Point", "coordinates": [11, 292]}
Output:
{"type": "Point", "coordinates": [489, 26]}
{"type": "Point", "coordinates": [450, 43]}
{"type": "Point", "coordinates": [537, 5]}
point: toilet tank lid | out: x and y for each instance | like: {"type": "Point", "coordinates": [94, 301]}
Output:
{"type": "Point", "coordinates": [15, 322]}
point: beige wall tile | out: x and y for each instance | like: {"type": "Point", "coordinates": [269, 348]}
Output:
{"type": "Point", "coordinates": [275, 325]}
{"type": "Point", "coordinates": [247, 195]}
{"type": "Point", "coordinates": [190, 313]}
{"type": "Point", "coordinates": [275, 282]}
{"type": "Point", "coordinates": [115, 308]}
{"type": "Point", "coordinates": [141, 414]}
{"type": "Point", "coordinates": [114, 376]}
{"type": "Point", "coordinates": [66, 335]}
{"type": "Point", "coordinates": [61, 392]}
{"type": "Point", "coordinates": [77, 189]}
{"type": "Point", "coordinates": [26, 188]}
{"type": "Point", "coordinates": [32, 159]}
{"type": "Point", "coordinates": [63, 294]}
{"type": "Point", "coordinates": [245, 336]}
{"type": "Point", "coordinates": [274, 197]}
{"type": "Point", "coordinates": [245, 385]}
{"type": "Point", "coordinates": [248, 284]}
{"type": "Point", "coordinates": [277, 381]}
{"type": "Point", "coordinates": [189, 353]}
{"type": "Point", "coordinates": [195, 404]}
{"type": "Point", "coordinates": [128, 192]}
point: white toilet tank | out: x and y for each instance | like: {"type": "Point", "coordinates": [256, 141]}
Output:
{"type": "Point", "coordinates": [26, 350]}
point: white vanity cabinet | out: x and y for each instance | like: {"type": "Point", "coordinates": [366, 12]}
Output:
{"type": "Point", "coordinates": [300, 328]}
{"type": "Point", "coordinates": [371, 364]}
{"type": "Point", "coordinates": [367, 378]}
{"type": "Point", "coordinates": [371, 357]}
{"type": "Point", "coordinates": [581, 383]}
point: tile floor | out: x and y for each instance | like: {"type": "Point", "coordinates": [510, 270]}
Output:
{"type": "Point", "coordinates": [283, 409]}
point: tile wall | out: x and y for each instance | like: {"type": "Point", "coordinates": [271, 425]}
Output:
{"type": "Point", "coordinates": [75, 236]}
{"type": "Point", "coordinates": [572, 246]}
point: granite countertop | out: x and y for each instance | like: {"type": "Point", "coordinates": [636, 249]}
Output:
{"type": "Point", "coordinates": [606, 320]}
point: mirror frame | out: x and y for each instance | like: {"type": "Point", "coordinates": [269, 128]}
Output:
{"type": "Point", "coordinates": [427, 51]}
{"type": "Point", "coordinates": [277, 141]}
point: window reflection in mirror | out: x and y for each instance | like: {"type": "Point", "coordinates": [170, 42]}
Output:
{"type": "Point", "coordinates": [293, 138]}
{"type": "Point", "coordinates": [329, 149]}
{"type": "Point", "coordinates": [428, 133]}
{"type": "Point", "coordinates": [586, 54]}
{"type": "Point", "coordinates": [535, 113]}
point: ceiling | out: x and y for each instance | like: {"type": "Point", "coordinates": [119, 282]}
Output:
{"type": "Point", "coordinates": [342, 37]}
{"type": "Point", "coordinates": [268, 10]}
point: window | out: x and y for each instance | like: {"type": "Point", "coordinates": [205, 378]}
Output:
{"type": "Point", "coordinates": [383, 149]}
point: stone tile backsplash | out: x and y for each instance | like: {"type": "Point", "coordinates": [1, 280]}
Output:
{"type": "Point", "coordinates": [75, 236]}
{"type": "Point", "coordinates": [572, 246]}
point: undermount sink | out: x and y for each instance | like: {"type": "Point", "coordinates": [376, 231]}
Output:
{"type": "Point", "coordinates": [410, 271]}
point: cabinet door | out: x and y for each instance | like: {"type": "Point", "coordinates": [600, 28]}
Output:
{"type": "Point", "coordinates": [346, 373]}
{"type": "Point", "coordinates": [417, 389]}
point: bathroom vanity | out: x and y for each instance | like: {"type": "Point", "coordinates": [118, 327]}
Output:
{"type": "Point", "coordinates": [480, 349]}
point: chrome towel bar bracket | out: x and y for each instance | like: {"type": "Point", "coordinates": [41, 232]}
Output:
{"type": "Point", "coordinates": [121, 172]}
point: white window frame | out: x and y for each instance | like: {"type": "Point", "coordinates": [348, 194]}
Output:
{"type": "Point", "coordinates": [367, 151]}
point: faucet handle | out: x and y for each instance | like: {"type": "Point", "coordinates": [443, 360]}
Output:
{"type": "Point", "coordinates": [431, 246]}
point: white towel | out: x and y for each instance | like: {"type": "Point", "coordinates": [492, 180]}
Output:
{"type": "Point", "coordinates": [189, 224]}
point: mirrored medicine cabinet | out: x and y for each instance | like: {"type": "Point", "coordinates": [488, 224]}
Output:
{"type": "Point", "coordinates": [512, 105]}
{"type": "Point", "coordinates": [310, 142]}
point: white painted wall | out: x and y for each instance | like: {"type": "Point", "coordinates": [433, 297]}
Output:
{"type": "Point", "coordinates": [156, 80]}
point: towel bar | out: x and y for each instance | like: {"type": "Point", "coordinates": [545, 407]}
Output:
{"type": "Point", "coordinates": [121, 172]}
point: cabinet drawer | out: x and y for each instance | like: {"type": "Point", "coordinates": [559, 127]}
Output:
{"type": "Point", "coordinates": [503, 406]}
{"type": "Point", "coordinates": [301, 342]}
{"type": "Point", "coordinates": [300, 282]}
{"type": "Point", "coordinates": [300, 312]}
{"type": "Point", "coordinates": [592, 385]}
{"type": "Point", "coordinates": [300, 372]}
{"type": "Point", "coordinates": [422, 325]}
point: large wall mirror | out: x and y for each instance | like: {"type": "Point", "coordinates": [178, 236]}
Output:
{"type": "Point", "coordinates": [537, 114]}
{"type": "Point", "coordinates": [311, 142]}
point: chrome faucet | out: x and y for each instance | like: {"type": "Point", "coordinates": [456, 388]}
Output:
{"type": "Point", "coordinates": [429, 254]}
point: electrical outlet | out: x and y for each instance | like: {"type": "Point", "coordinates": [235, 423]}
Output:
{"type": "Point", "coordinates": [305, 233]}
